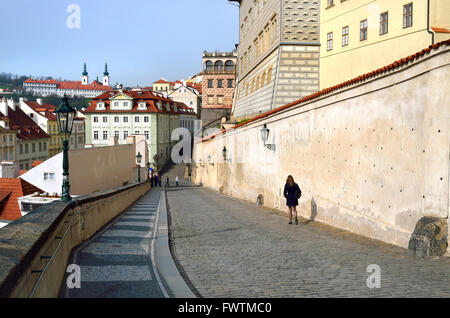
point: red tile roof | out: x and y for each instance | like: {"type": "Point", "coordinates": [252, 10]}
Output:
{"type": "Point", "coordinates": [26, 127]}
{"type": "Point", "coordinates": [45, 110]}
{"type": "Point", "coordinates": [95, 85]}
{"type": "Point", "coordinates": [36, 163]}
{"type": "Point", "coordinates": [353, 81]}
{"type": "Point", "coordinates": [10, 190]}
{"type": "Point", "coordinates": [149, 97]}
{"type": "Point", "coordinates": [440, 30]}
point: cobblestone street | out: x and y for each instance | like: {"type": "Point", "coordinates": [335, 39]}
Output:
{"type": "Point", "coordinates": [230, 248]}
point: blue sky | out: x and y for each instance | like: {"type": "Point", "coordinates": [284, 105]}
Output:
{"type": "Point", "coordinates": [142, 40]}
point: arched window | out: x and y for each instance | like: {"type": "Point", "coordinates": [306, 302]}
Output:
{"type": "Point", "coordinates": [218, 66]}
{"type": "Point", "coordinates": [208, 66]}
{"type": "Point", "coordinates": [229, 66]}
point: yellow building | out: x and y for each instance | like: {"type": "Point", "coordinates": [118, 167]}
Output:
{"type": "Point", "coordinates": [359, 36]}
{"type": "Point", "coordinates": [163, 86]}
{"type": "Point", "coordinates": [55, 146]}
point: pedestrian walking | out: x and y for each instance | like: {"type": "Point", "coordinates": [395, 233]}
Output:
{"type": "Point", "coordinates": [167, 181]}
{"type": "Point", "coordinates": [176, 180]}
{"type": "Point", "coordinates": [159, 181]}
{"type": "Point", "coordinates": [189, 176]}
{"type": "Point", "coordinates": [292, 193]}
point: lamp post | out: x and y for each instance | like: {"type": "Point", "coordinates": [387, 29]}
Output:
{"type": "Point", "coordinates": [224, 151]}
{"type": "Point", "coordinates": [138, 160]}
{"type": "Point", "coordinates": [65, 115]}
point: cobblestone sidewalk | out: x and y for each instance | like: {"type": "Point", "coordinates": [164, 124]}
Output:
{"type": "Point", "coordinates": [229, 248]}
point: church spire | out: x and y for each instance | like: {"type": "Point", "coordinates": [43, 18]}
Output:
{"type": "Point", "coordinates": [106, 70]}
{"type": "Point", "coordinates": [85, 73]}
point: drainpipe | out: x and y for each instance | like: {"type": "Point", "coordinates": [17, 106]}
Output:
{"type": "Point", "coordinates": [428, 23]}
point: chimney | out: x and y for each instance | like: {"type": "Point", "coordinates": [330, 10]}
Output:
{"type": "Point", "coordinates": [9, 170]}
{"type": "Point", "coordinates": [11, 104]}
{"type": "Point", "coordinates": [114, 141]}
{"type": "Point", "coordinates": [4, 107]}
{"type": "Point", "coordinates": [39, 101]}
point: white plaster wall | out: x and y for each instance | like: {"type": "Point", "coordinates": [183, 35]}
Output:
{"type": "Point", "coordinates": [372, 159]}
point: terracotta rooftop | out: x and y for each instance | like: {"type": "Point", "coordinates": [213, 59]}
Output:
{"type": "Point", "coordinates": [45, 110]}
{"type": "Point", "coordinates": [26, 128]}
{"type": "Point", "coordinates": [150, 98]}
{"type": "Point", "coordinates": [385, 69]}
{"type": "Point", "coordinates": [75, 85]}
{"type": "Point", "coordinates": [10, 190]}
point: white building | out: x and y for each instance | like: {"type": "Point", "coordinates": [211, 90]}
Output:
{"type": "Point", "coordinates": [69, 88]}
{"type": "Point", "coordinates": [188, 94]}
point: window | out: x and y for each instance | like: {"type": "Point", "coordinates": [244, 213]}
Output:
{"type": "Point", "coordinates": [263, 78]}
{"type": "Point", "coordinates": [329, 41]}
{"type": "Point", "coordinates": [136, 119]}
{"type": "Point", "coordinates": [363, 30]}
{"type": "Point", "coordinates": [330, 3]}
{"type": "Point", "coordinates": [105, 119]}
{"type": "Point", "coordinates": [210, 99]}
{"type": "Point", "coordinates": [407, 15]}
{"type": "Point", "coordinates": [258, 78]}
{"type": "Point", "coordinates": [230, 84]}
{"type": "Point", "coordinates": [116, 119]}
{"type": "Point", "coordinates": [146, 119]}
{"type": "Point", "coordinates": [125, 104]}
{"type": "Point", "coordinates": [116, 133]}
{"type": "Point", "coordinates": [384, 23]}
{"type": "Point", "coordinates": [21, 149]}
{"type": "Point", "coordinates": [218, 66]}
{"type": "Point", "coordinates": [345, 36]}
{"type": "Point", "coordinates": [147, 134]}
{"type": "Point", "coordinates": [40, 146]}
{"type": "Point", "coordinates": [95, 119]}
{"type": "Point", "coordinates": [45, 146]}
{"type": "Point", "coordinates": [125, 119]}
{"type": "Point", "coordinates": [219, 83]}
{"type": "Point", "coordinates": [116, 103]}
{"type": "Point", "coordinates": [229, 66]}
{"type": "Point", "coordinates": [210, 83]}
{"type": "Point", "coordinates": [220, 99]}
{"type": "Point", "coordinates": [49, 176]}
{"type": "Point", "coordinates": [105, 135]}
{"type": "Point", "coordinates": [208, 66]}
{"type": "Point", "coordinates": [125, 134]}
{"type": "Point", "coordinates": [136, 132]}
{"type": "Point", "coordinates": [95, 134]}
{"type": "Point", "coordinates": [33, 147]}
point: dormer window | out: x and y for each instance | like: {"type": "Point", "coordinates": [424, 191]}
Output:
{"type": "Point", "coordinates": [142, 105]}
{"type": "Point", "coordinates": [168, 107]}
{"type": "Point", "coordinates": [100, 105]}
{"type": "Point", "coordinates": [159, 105]}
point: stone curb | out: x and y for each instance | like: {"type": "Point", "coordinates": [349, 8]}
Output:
{"type": "Point", "coordinates": [175, 284]}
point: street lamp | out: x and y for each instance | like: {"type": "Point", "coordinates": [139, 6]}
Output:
{"type": "Point", "coordinates": [224, 151]}
{"type": "Point", "coordinates": [138, 160]}
{"type": "Point", "coordinates": [265, 136]}
{"type": "Point", "coordinates": [148, 170]}
{"type": "Point", "coordinates": [65, 115]}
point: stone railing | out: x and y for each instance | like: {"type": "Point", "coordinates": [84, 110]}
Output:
{"type": "Point", "coordinates": [35, 249]}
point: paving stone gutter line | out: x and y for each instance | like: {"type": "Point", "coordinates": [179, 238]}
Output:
{"type": "Point", "coordinates": [171, 278]}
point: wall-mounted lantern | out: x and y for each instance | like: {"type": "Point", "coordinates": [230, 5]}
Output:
{"type": "Point", "coordinates": [265, 136]}
{"type": "Point", "coordinates": [224, 151]}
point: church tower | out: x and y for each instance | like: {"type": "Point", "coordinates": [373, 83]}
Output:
{"type": "Point", "coordinates": [85, 78]}
{"type": "Point", "coordinates": [106, 76]}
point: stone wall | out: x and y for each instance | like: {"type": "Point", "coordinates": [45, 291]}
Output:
{"type": "Point", "coordinates": [371, 157]}
{"type": "Point", "coordinates": [35, 249]}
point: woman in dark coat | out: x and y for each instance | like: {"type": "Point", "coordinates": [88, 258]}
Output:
{"type": "Point", "coordinates": [292, 193]}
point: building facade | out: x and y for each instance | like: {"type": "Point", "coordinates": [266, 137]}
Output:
{"type": "Point", "coordinates": [43, 115]}
{"type": "Point", "coordinates": [362, 35]}
{"type": "Point", "coordinates": [122, 113]}
{"type": "Point", "coordinates": [188, 94]}
{"type": "Point", "coordinates": [8, 144]}
{"type": "Point", "coordinates": [69, 88]}
{"type": "Point", "coordinates": [278, 54]}
{"type": "Point", "coordinates": [32, 141]}
{"type": "Point", "coordinates": [218, 86]}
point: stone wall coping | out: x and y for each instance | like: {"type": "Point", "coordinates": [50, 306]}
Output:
{"type": "Point", "coordinates": [22, 240]}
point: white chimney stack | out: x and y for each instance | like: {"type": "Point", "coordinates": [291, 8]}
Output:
{"type": "Point", "coordinates": [11, 104]}
{"type": "Point", "coordinates": [4, 107]}
{"type": "Point", "coordinates": [39, 101]}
